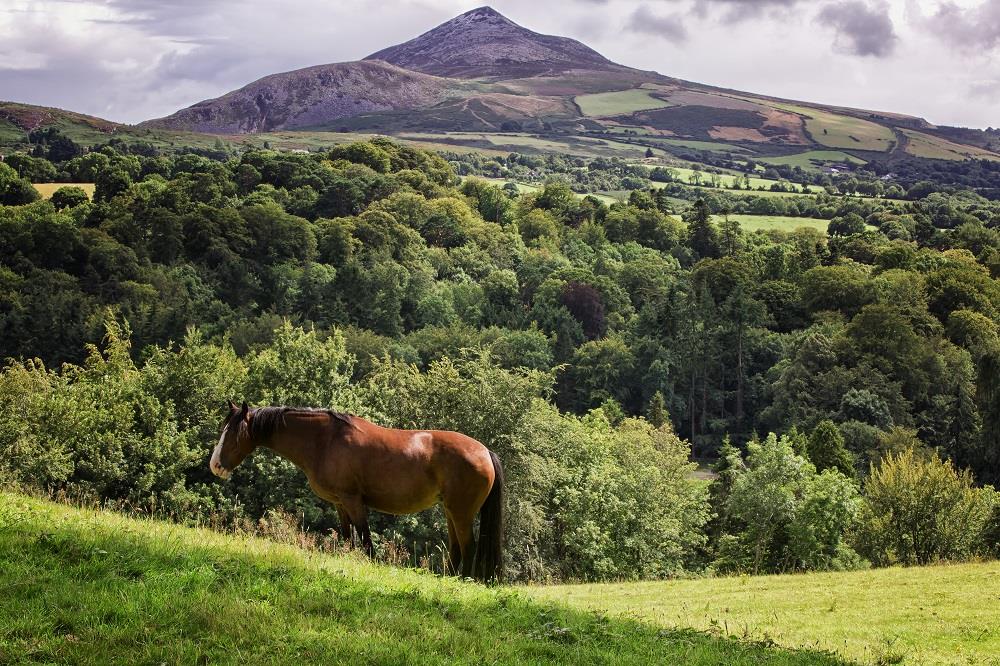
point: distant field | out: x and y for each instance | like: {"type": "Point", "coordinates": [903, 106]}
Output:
{"type": "Point", "coordinates": [926, 145]}
{"type": "Point", "coordinates": [618, 103]}
{"type": "Point", "coordinates": [527, 188]}
{"type": "Point", "coordinates": [778, 222]}
{"type": "Point", "coordinates": [810, 160]}
{"type": "Point", "coordinates": [840, 131]}
{"type": "Point", "coordinates": [928, 615]}
{"type": "Point", "coordinates": [576, 145]}
{"type": "Point", "coordinates": [708, 146]}
{"type": "Point", "coordinates": [48, 189]}
{"type": "Point", "coordinates": [729, 177]}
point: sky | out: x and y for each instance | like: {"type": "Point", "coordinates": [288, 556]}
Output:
{"type": "Point", "coordinates": [132, 60]}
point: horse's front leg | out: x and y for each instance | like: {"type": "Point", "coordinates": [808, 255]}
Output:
{"type": "Point", "coordinates": [358, 515]}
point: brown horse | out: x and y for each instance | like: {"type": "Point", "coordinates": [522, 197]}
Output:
{"type": "Point", "coordinates": [355, 464]}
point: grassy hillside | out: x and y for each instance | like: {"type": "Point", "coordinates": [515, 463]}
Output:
{"type": "Point", "coordinates": [930, 615]}
{"type": "Point", "coordinates": [619, 102]}
{"type": "Point", "coordinates": [87, 587]}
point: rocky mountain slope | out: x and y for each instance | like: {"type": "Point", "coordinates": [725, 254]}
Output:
{"type": "Point", "coordinates": [310, 97]}
{"type": "Point", "coordinates": [483, 43]}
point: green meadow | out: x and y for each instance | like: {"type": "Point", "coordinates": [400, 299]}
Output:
{"type": "Point", "coordinates": [84, 586]}
{"type": "Point", "coordinates": [618, 103]}
{"type": "Point", "coordinates": [812, 159]}
{"type": "Point", "coordinates": [89, 587]}
{"type": "Point", "coordinates": [947, 614]}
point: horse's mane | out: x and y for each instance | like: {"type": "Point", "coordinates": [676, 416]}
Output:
{"type": "Point", "coordinates": [266, 420]}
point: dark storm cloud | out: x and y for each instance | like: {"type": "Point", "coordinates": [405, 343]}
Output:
{"type": "Point", "coordinates": [862, 29]}
{"type": "Point", "coordinates": [670, 27]}
{"type": "Point", "coordinates": [967, 28]}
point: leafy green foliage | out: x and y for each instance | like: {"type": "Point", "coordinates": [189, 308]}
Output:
{"type": "Point", "coordinates": [919, 509]}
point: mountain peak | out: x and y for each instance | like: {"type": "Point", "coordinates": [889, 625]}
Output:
{"type": "Point", "coordinates": [484, 43]}
{"type": "Point", "coordinates": [483, 13]}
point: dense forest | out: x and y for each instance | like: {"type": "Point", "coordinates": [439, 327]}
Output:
{"type": "Point", "coordinates": [845, 385]}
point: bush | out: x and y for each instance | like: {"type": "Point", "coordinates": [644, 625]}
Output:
{"type": "Point", "coordinates": [783, 515]}
{"type": "Point", "coordinates": [919, 509]}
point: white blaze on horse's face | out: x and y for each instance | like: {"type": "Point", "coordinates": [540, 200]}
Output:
{"type": "Point", "coordinates": [216, 464]}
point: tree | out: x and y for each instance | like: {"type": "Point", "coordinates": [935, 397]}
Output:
{"type": "Point", "coordinates": [826, 449]}
{"type": "Point", "coordinates": [14, 190]}
{"type": "Point", "coordinates": [847, 225]}
{"type": "Point", "coordinates": [784, 516]}
{"type": "Point", "coordinates": [920, 509]}
{"type": "Point", "coordinates": [650, 153]}
{"type": "Point", "coordinates": [703, 237]}
{"type": "Point", "coordinates": [68, 197]}
{"type": "Point", "coordinates": [656, 413]}
{"type": "Point", "coordinates": [111, 182]}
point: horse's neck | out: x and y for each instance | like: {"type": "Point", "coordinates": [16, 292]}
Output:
{"type": "Point", "coordinates": [298, 439]}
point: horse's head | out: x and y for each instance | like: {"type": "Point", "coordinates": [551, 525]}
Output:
{"type": "Point", "coordinates": [234, 443]}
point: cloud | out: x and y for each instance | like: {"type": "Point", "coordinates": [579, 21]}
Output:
{"type": "Point", "coordinates": [966, 28]}
{"type": "Point", "coordinates": [669, 27]}
{"type": "Point", "coordinates": [737, 11]}
{"type": "Point", "coordinates": [862, 29]}
{"type": "Point", "coordinates": [987, 90]}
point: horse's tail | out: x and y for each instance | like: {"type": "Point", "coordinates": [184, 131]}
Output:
{"type": "Point", "coordinates": [489, 551]}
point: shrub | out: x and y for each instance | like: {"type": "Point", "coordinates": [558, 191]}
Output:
{"type": "Point", "coordinates": [919, 509]}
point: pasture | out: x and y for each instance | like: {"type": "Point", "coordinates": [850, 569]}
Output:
{"type": "Point", "coordinates": [928, 615]}
{"type": "Point", "coordinates": [526, 188]}
{"type": "Point", "coordinates": [618, 103]}
{"type": "Point", "coordinates": [91, 587]}
{"type": "Point", "coordinates": [812, 159]}
{"type": "Point", "coordinates": [933, 147]}
{"type": "Point", "coordinates": [519, 142]}
{"type": "Point", "coordinates": [776, 222]}
{"type": "Point", "coordinates": [48, 189]}
{"type": "Point", "coordinates": [835, 130]}
{"type": "Point", "coordinates": [728, 177]}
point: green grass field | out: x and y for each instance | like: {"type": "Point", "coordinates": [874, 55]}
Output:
{"type": "Point", "coordinates": [770, 222]}
{"type": "Point", "coordinates": [840, 131]}
{"type": "Point", "coordinates": [812, 159]}
{"type": "Point", "coordinates": [516, 142]}
{"type": "Point", "coordinates": [87, 587]}
{"type": "Point", "coordinates": [618, 103]}
{"type": "Point", "coordinates": [728, 178]}
{"type": "Point", "coordinates": [524, 188]}
{"type": "Point", "coordinates": [48, 189]}
{"type": "Point", "coordinates": [930, 615]}
{"type": "Point", "coordinates": [933, 147]}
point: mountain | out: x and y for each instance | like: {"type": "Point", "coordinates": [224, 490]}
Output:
{"type": "Point", "coordinates": [483, 43]}
{"type": "Point", "coordinates": [310, 97]}
{"type": "Point", "coordinates": [481, 80]}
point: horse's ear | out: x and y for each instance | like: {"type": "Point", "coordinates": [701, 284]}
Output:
{"type": "Point", "coordinates": [231, 405]}
{"type": "Point", "coordinates": [245, 410]}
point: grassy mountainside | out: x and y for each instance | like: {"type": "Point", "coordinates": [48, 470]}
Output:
{"type": "Point", "coordinates": [17, 120]}
{"type": "Point", "coordinates": [88, 587]}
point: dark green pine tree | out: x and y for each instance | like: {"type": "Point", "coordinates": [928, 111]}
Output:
{"type": "Point", "coordinates": [827, 450]}
{"type": "Point", "coordinates": [703, 237]}
{"type": "Point", "coordinates": [656, 413]}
